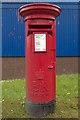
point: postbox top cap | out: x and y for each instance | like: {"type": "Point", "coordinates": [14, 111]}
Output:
{"type": "Point", "coordinates": [39, 4]}
{"type": "Point", "coordinates": [39, 8]}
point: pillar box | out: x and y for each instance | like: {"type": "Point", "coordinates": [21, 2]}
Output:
{"type": "Point", "coordinates": [40, 57]}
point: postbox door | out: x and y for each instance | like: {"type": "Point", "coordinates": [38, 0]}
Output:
{"type": "Point", "coordinates": [40, 64]}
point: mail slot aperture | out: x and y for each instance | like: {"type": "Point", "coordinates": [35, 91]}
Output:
{"type": "Point", "coordinates": [40, 26]}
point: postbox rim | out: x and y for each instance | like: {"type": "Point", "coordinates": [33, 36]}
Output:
{"type": "Point", "coordinates": [33, 10]}
{"type": "Point", "coordinates": [40, 4]}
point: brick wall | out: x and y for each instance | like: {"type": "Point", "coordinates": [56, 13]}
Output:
{"type": "Point", "coordinates": [14, 67]}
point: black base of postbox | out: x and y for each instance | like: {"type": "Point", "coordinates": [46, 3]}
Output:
{"type": "Point", "coordinates": [40, 109]}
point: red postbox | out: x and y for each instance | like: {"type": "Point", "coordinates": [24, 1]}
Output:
{"type": "Point", "coordinates": [40, 56]}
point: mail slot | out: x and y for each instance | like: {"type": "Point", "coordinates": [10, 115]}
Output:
{"type": "Point", "coordinates": [40, 57]}
{"type": "Point", "coordinates": [39, 26]}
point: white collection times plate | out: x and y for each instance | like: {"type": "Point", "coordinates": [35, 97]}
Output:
{"type": "Point", "coordinates": [40, 41]}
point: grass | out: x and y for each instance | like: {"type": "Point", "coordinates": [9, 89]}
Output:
{"type": "Point", "coordinates": [14, 92]}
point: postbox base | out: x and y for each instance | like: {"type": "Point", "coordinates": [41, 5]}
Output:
{"type": "Point", "coordinates": [40, 109]}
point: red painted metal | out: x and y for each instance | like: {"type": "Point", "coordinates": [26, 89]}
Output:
{"type": "Point", "coordinates": [40, 10]}
{"type": "Point", "coordinates": [40, 65]}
